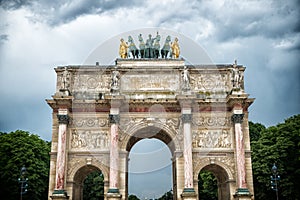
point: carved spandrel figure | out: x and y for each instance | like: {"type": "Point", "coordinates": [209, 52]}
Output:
{"type": "Point", "coordinates": [123, 49]}
{"type": "Point", "coordinates": [142, 46]}
{"type": "Point", "coordinates": [175, 49]}
{"type": "Point", "coordinates": [166, 48]}
{"type": "Point", "coordinates": [185, 79]}
{"type": "Point", "coordinates": [237, 76]}
{"type": "Point", "coordinates": [115, 81]}
{"type": "Point", "coordinates": [132, 48]}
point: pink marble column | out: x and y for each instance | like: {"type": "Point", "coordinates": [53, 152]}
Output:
{"type": "Point", "coordinates": [187, 153]}
{"type": "Point", "coordinates": [63, 120]}
{"type": "Point", "coordinates": [240, 150]}
{"type": "Point", "coordinates": [114, 154]}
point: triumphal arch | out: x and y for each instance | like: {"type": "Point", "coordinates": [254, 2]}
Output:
{"type": "Point", "coordinates": [199, 111]}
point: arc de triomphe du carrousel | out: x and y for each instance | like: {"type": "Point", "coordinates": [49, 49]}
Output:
{"type": "Point", "coordinates": [200, 111]}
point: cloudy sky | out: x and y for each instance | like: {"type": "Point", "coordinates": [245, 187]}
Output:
{"type": "Point", "coordinates": [37, 35]}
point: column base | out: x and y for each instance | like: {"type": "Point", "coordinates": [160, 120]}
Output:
{"type": "Point", "coordinates": [242, 194]}
{"type": "Point", "coordinates": [59, 195]}
{"type": "Point", "coordinates": [189, 194]}
{"type": "Point", "coordinates": [113, 194]}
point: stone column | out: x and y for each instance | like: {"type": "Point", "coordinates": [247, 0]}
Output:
{"type": "Point", "coordinates": [186, 118]}
{"type": "Point", "coordinates": [187, 151]}
{"type": "Point", "coordinates": [114, 118]}
{"type": "Point", "coordinates": [63, 120]}
{"type": "Point", "coordinates": [242, 190]}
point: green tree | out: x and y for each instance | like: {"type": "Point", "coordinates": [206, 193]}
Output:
{"type": "Point", "coordinates": [167, 196]}
{"type": "Point", "coordinates": [255, 130]}
{"type": "Point", "coordinates": [17, 149]}
{"type": "Point", "coordinates": [93, 188]}
{"type": "Point", "coordinates": [207, 186]}
{"type": "Point", "coordinates": [133, 197]}
{"type": "Point", "coordinates": [278, 144]}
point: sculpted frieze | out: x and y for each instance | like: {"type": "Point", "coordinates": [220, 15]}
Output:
{"type": "Point", "coordinates": [211, 121]}
{"type": "Point", "coordinates": [89, 122]}
{"type": "Point", "coordinates": [212, 139]}
{"type": "Point", "coordinates": [88, 82]}
{"type": "Point", "coordinates": [89, 140]}
{"type": "Point", "coordinates": [210, 82]}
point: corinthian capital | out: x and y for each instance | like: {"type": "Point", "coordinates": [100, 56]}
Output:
{"type": "Point", "coordinates": [237, 118]}
{"type": "Point", "coordinates": [63, 119]}
{"type": "Point", "coordinates": [186, 118]}
{"type": "Point", "coordinates": [114, 119]}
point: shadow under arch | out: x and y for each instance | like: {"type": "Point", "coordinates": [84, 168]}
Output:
{"type": "Point", "coordinates": [222, 177]}
{"type": "Point", "coordinates": [78, 180]}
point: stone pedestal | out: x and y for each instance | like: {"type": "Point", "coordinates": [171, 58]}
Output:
{"type": "Point", "coordinates": [189, 194]}
{"type": "Point", "coordinates": [242, 194]}
{"type": "Point", "coordinates": [59, 195]}
{"type": "Point", "coordinates": [113, 196]}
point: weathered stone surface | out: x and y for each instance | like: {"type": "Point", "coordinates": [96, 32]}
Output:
{"type": "Point", "coordinates": [196, 121]}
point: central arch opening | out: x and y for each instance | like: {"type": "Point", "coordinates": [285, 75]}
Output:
{"type": "Point", "coordinates": [151, 173]}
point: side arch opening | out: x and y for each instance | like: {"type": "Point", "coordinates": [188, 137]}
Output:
{"type": "Point", "coordinates": [213, 183]}
{"type": "Point", "coordinates": [88, 183]}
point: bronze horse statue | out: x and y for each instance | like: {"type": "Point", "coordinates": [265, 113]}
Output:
{"type": "Point", "coordinates": [166, 48]}
{"type": "Point", "coordinates": [132, 48]}
{"type": "Point", "coordinates": [156, 46]}
{"type": "Point", "coordinates": [142, 46]}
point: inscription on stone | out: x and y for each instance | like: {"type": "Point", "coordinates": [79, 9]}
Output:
{"type": "Point", "coordinates": [148, 82]}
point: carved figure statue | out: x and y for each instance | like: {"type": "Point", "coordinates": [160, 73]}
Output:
{"type": "Point", "coordinates": [132, 48]}
{"type": "Point", "coordinates": [123, 49]}
{"type": "Point", "coordinates": [237, 76]}
{"type": "Point", "coordinates": [185, 79]}
{"type": "Point", "coordinates": [149, 47]}
{"type": "Point", "coordinates": [156, 46]}
{"type": "Point", "coordinates": [142, 46]}
{"type": "Point", "coordinates": [115, 81]}
{"type": "Point", "coordinates": [166, 48]}
{"type": "Point", "coordinates": [65, 79]}
{"type": "Point", "coordinates": [175, 49]}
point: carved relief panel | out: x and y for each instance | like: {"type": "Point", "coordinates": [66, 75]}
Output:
{"type": "Point", "coordinates": [89, 133]}
{"type": "Point", "coordinates": [212, 139]}
{"type": "Point", "coordinates": [89, 140]}
{"type": "Point", "coordinates": [91, 83]}
{"type": "Point", "coordinates": [212, 131]}
{"type": "Point", "coordinates": [210, 82]}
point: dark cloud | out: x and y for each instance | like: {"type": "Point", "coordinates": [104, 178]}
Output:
{"type": "Point", "coordinates": [270, 19]}
{"type": "Point", "coordinates": [14, 4]}
{"type": "Point", "coordinates": [56, 12]}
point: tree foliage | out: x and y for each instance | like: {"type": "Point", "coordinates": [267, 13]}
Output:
{"type": "Point", "coordinates": [277, 144]}
{"type": "Point", "coordinates": [167, 196]}
{"type": "Point", "coordinates": [207, 186]}
{"type": "Point", "coordinates": [93, 188]}
{"type": "Point", "coordinates": [133, 197]}
{"type": "Point", "coordinates": [255, 130]}
{"type": "Point", "coordinates": [17, 149]}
